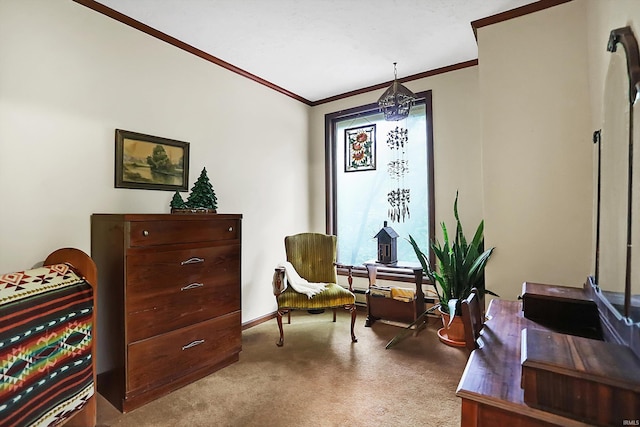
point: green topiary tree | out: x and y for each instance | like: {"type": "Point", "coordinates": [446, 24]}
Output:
{"type": "Point", "coordinates": [177, 202]}
{"type": "Point", "coordinates": [202, 195]}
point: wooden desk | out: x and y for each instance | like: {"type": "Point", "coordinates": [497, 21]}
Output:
{"type": "Point", "coordinates": [490, 386]}
{"type": "Point", "coordinates": [592, 380]}
{"type": "Point", "coordinates": [563, 309]}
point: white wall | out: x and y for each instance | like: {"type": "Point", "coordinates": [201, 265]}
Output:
{"type": "Point", "coordinates": [536, 137]}
{"type": "Point", "coordinates": [70, 76]}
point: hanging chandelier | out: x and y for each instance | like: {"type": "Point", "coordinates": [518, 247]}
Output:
{"type": "Point", "coordinates": [396, 101]}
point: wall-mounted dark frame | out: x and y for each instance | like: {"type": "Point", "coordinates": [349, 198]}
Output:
{"type": "Point", "coordinates": [150, 162]}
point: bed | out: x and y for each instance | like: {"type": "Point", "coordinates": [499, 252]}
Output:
{"type": "Point", "coordinates": [47, 350]}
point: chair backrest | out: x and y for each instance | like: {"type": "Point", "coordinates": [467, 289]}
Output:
{"type": "Point", "coordinates": [313, 255]}
{"type": "Point", "coordinates": [472, 319]}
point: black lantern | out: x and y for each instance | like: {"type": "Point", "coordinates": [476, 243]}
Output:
{"type": "Point", "coordinates": [387, 245]}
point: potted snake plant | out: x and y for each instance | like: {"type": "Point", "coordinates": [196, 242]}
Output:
{"type": "Point", "coordinates": [460, 267]}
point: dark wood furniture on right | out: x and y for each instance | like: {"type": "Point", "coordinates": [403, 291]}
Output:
{"type": "Point", "coordinates": [563, 308]}
{"type": "Point", "coordinates": [583, 378]}
{"type": "Point", "coordinates": [170, 307]}
{"type": "Point", "coordinates": [542, 373]}
{"type": "Point", "coordinates": [490, 386]}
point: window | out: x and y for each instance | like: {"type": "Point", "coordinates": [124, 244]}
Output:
{"type": "Point", "coordinates": [368, 174]}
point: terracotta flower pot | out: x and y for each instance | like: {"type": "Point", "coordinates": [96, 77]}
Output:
{"type": "Point", "coordinates": [452, 334]}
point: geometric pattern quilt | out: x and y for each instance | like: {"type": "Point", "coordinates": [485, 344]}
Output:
{"type": "Point", "coordinates": [46, 332]}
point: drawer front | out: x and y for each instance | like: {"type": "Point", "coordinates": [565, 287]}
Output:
{"type": "Point", "coordinates": [152, 233]}
{"type": "Point", "coordinates": [167, 290]}
{"type": "Point", "coordinates": [162, 359]}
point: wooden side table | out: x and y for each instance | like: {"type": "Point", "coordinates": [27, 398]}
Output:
{"type": "Point", "coordinates": [388, 308]}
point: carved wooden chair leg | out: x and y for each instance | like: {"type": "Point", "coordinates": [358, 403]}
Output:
{"type": "Point", "coordinates": [289, 317]}
{"type": "Point", "coordinates": [353, 322]}
{"type": "Point", "coordinates": [280, 342]}
{"type": "Point", "coordinates": [334, 314]}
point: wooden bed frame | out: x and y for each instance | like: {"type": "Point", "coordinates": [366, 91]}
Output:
{"type": "Point", "coordinates": [86, 268]}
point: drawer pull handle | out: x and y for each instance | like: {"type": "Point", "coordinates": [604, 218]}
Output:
{"type": "Point", "coordinates": [192, 286]}
{"type": "Point", "coordinates": [230, 228]}
{"type": "Point", "coordinates": [192, 344]}
{"type": "Point", "coordinates": [145, 233]}
{"type": "Point", "coordinates": [194, 260]}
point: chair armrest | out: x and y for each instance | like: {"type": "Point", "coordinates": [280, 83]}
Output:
{"type": "Point", "coordinates": [350, 276]}
{"type": "Point", "coordinates": [278, 282]}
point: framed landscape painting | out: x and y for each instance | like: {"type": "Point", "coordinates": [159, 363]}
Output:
{"type": "Point", "coordinates": [150, 162]}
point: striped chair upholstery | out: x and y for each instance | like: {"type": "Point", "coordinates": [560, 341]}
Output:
{"type": "Point", "coordinates": [313, 255]}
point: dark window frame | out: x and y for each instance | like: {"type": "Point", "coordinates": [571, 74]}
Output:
{"type": "Point", "coordinates": [398, 274]}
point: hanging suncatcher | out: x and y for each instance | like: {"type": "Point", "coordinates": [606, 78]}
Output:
{"type": "Point", "coordinates": [398, 198]}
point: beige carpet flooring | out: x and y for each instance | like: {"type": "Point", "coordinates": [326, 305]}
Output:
{"type": "Point", "coordinates": [319, 378]}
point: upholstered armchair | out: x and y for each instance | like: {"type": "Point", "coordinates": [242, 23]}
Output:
{"type": "Point", "coordinates": [313, 256]}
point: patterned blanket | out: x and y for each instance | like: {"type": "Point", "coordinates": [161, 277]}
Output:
{"type": "Point", "coordinates": [45, 345]}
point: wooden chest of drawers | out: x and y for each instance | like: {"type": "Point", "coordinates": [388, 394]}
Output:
{"type": "Point", "coordinates": [169, 302]}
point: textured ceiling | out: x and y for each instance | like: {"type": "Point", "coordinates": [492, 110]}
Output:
{"type": "Point", "coordinates": [321, 48]}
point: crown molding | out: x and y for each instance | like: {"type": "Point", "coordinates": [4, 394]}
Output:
{"type": "Point", "coordinates": [126, 20]}
{"type": "Point", "coordinates": [514, 13]}
{"type": "Point", "coordinates": [412, 77]}
{"type": "Point", "coordinates": [100, 8]}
